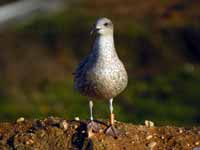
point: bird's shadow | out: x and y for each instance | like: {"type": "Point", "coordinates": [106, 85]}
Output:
{"type": "Point", "coordinates": [80, 139]}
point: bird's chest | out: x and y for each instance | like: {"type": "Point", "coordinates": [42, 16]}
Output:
{"type": "Point", "coordinates": [106, 73]}
{"type": "Point", "coordinates": [107, 80]}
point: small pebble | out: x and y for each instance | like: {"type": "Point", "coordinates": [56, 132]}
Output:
{"type": "Point", "coordinates": [77, 118]}
{"type": "Point", "coordinates": [30, 141]}
{"type": "Point", "coordinates": [126, 133]}
{"type": "Point", "coordinates": [136, 137]}
{"type": "Point", "coordinates": [149, 123]}
{"type": "Point", "coordinates": [83, 131]}
{"type": "Point", "coordinates": [149, 137]}
{"type": "Point", "coordinates": [180, 131]}
{"type": "Point", "coordinates": [90, 133]}
{"type": "Point", "coordinates": [21, 119]}
{"type": "Point", "coordinates": [162, 137]}
{"type": "Point", "coordinates": [39, 123]}
{"type": "Point", "coordinates": [64, 125]}
{"type": "Point", "coordinates": [101, 130]}
{"type": "Point", "coordinates": [152, 145]}
{"type": "Point", "coordinates": [76, 126]}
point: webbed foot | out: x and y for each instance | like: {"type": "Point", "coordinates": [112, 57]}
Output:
{"type": "Point", "coordinates": [93, 126]}
{"type": "Point", "coordinates": [111, 130]}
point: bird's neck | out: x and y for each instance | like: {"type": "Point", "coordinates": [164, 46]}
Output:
{"type": "Point", "coordinates": [104, 46]}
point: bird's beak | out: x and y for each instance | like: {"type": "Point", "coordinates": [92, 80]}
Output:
{"type": "Point", "coordinates": [94, 29]}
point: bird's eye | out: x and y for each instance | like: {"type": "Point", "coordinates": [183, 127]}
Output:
{"type": "Point", "coordinates": [105, 24]}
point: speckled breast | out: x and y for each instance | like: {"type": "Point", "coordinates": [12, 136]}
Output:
{"type": "Point", "coordinates": [104, 81]}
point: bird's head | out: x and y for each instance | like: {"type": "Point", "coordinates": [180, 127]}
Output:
{"type": "Point", "coordinates": [103, 26]}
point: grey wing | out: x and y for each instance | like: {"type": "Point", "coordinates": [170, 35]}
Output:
{"type": "Point", "coordinates": [79, 75]}
{"type": "Point", "coordinates": [80, 67]}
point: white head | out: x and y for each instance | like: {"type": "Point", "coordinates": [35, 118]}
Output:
{"type": "Point", "coordinates": [103, 26]}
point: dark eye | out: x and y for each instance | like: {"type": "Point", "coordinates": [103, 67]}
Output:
{"type": "Point", "coordinates": [106, 24]}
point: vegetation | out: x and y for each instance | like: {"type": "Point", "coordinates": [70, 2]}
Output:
{"type": "Point", "coordinates": [157, 40]}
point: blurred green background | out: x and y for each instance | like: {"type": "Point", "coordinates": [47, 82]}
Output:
{"type": "Point", "coordinates": [158, 41]}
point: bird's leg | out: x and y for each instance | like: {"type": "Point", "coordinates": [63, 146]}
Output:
{"type": "Point", "coordinates": [111, 130]}
{"type": "Point", "coordinates": [112, 119]}
{"type": "Point", "coordinates": [92, 125]}
{"type": "Point", "coordinates": [91, 110]}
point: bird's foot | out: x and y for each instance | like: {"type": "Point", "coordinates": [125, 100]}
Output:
{"type": "Point", "coordinates": [111, 130]}
{"type": "Point", "coordinates": [93, 126]}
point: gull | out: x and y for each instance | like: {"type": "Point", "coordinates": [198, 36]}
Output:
{"type": "Point", "coordinates": [101, 74]}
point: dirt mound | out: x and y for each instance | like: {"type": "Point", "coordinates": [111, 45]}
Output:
{"type": "Point", "coordinates": [59, 134]}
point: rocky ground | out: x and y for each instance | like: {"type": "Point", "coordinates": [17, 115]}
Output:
{"type": "Point", "coordinates": [60, 134]}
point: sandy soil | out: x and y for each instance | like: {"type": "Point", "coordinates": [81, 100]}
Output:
{"type": "Point", "coordinates": [58, 134]}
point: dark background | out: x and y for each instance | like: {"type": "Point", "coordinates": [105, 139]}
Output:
{"type": "Point", "coordinates": [158, 41]}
